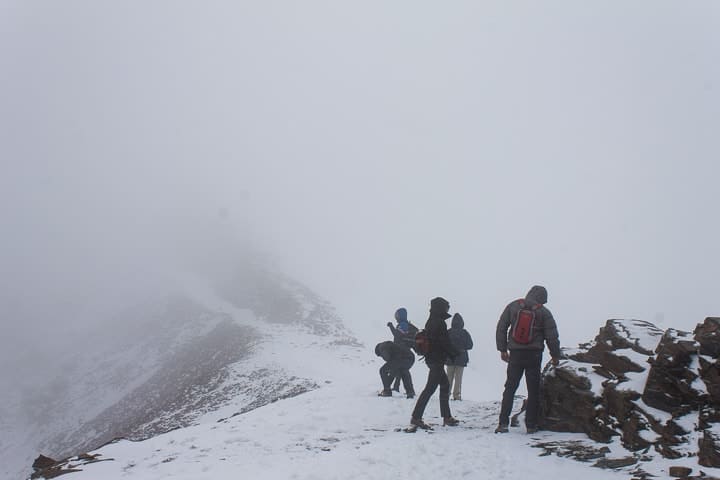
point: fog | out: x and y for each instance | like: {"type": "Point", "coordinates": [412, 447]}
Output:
{"type": "Point", "coordinates": [382, 153]}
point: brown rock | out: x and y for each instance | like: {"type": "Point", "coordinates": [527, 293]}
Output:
{"type": "Point", "coordinates": [678, 472]}
{"type": "Point", "coordinates": [43, 462]}
{"type": "Point", "coordinates": [708, 451]}
{"type": "Point", "coordinates": [615, 462]}
{"type": "Point", "coordinates": [669, 383]}
{"type": "Point", "coordinates": [707, 335]}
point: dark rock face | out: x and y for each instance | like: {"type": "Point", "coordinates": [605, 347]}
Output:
{"type": "Point", "coordinates": [45, 467]}
{"type": "Point", "coordinates": [653, 390]}
{"type": "Point", "coordinates": [42, 462]}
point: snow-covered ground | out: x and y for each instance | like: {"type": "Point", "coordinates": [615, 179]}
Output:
{"type": "Point", "coordinates": [343, 430]}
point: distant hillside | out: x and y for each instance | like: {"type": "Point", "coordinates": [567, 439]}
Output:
{"type": "Point", "coordinates": [168, 363]}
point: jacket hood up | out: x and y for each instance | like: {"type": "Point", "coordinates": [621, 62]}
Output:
{"type": "Point", "coordinates": [457, 321]}
{"type": "Point", "coordinates": [440, 307]}
{"type": "Point", "coordinates": [537, 294]}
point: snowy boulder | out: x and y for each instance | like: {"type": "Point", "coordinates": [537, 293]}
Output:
{"type": "Point", "coordinates": [671, 381]}
{"type": "Point", "coordinates": [650, 389]}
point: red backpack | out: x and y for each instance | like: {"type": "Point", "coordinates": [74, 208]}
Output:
{"type": "Point", "coordinates": [524, 325]}
{"type": "Point", "coordinates": [422, 343]}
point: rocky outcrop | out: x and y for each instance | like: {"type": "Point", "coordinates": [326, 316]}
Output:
{"type": "Point", "coordinates": [653, 390]}
{"type": "Point", "coordinates": [45, 467]}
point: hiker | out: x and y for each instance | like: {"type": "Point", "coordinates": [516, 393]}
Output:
{"type": "Point", "coordinates": [522, 331]}
{"type": "Point", "coordinates": [462, 341]}
{"type": "Point", "coordinates": [440, 350]}
{"type": "Point", "coordinates": [404, 335]}
{"type": "Point", "coordinates": [398, 360]}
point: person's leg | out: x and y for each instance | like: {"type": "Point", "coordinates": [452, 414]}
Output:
{"type": "Point", "coordinates": [457, 389]}
{"type": "Point", "coordinates": [425, 395]}
{"type": "Point", "coordinates": [396, 384]}
{"type": "Point", "coordinates": [514, 374]}
{"type": "Point", "coordinates": [532, 380]}
{"type": "Point", "coordinates": [386, 376]}
{"type": "Point", "coordinates": [451, 374]}
{"type": "Point", "coordinates": [404, 373]}
{"type": "Point", "coordinates": [407, 383]}
{"type": "Point", "coordinates": [442, 380]}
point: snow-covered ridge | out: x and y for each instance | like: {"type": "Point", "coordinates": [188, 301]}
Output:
{"type": "Point", "coordinates": [343, 430]}
{"type": "Point", "coordinates": [194, 357]}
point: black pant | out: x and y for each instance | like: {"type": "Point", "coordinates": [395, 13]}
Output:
{"type": "Point", "coordinates": [529, 363]}
{"type": "Point", "coordinates": [399, 369]}
{"type": "Point", "coordinates": [436, 376]}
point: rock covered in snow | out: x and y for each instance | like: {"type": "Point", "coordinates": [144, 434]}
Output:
{"type": "Point", "coordinates": [654, 390]}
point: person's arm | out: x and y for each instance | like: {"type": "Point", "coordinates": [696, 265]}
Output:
{"type": "Point", "coordinates": [468, 341]}
{"type": "Point", "coordinates": [552, 338]}
{"type": "Point", "coordinates": [397, 334]}
{"type": "Point", "coordinates": [501, 341]}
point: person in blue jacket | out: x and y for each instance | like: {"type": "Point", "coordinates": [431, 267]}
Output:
{"type": "Point", "coordinates": [403, 335]}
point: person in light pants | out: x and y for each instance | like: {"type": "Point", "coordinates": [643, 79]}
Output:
{"type": "Point", "coordinates": [462, 341]}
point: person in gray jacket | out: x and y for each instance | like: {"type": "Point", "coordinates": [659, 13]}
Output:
{"type": "Point", "coordinates": [462, 341]}
{"type": "Point", "coordinates": [525, 356]}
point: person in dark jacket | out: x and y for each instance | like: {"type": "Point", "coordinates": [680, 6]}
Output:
{"type": "Point", "coordinates": [403, 335]}
{"type": "Point", "coordinates": [526, 357]}
{"type": "Point", "coordinates": [462, 341]}
{"type": "Point", "coordinates": [398, 361]}
{"type": "Point", "coordinates": [440, 350]}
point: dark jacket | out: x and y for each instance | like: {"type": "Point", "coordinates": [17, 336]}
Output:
{"type": "Point", "coordinates": [394, 353]}
{"type": "Point", "coordinates": [440, 346]}
{"type": "Point", "coordinates": [403, 338]}
{"type": "Point", "coordinates": [545, 330]}
{"type": "Point", "coordinates": [461, 340]}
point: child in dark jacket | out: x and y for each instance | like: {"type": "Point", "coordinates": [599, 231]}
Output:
{"type": "Point", "coordinates": [462, 341]}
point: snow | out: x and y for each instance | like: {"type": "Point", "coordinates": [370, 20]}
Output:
{"type": "Point", "coordinates": [338, 431]}
{"type": "Point", "coordinates": [646, 335]}
{"type": "Point", "coordinates": [659, 415]}
{"type": "Point", "coordinates": [343, 430]}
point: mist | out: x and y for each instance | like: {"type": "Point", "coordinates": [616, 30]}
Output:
{"type": "Point", "coordinates": [383, 154]}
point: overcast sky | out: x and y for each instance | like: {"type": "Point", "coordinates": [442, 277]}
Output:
{"type": "Point", "coordinates": [382, 152]}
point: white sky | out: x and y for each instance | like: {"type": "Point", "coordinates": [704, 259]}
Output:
{"type": "Point", "coordinates": [383, 152]}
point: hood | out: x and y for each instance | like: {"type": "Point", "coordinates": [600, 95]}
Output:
{"type": "Point", "coordinates": [401, 315]}
{"type": "Point", "coordinates": [537, 294]}
{"type": "Point", "coordinates": [380, 347]}
{"type": "Point", "coordinates": [440, 307]}
{"type": "Point", "coordinates": [457, 321]}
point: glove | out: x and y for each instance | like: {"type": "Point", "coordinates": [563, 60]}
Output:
{"type": "Point", "coordinates": [389, 324]}
{"type": "Point", "coordinates": [504, 356]}
{"type": "Point", "coordinates": [555, 361]}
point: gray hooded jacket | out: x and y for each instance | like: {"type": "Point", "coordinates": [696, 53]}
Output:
{"type": "Point", "coordinates": [545, 330]}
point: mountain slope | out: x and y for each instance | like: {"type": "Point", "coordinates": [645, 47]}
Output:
{"type": "Point", "coordinates": [343, 430]}
{"type": "Point", "coordinates": [170, 362]}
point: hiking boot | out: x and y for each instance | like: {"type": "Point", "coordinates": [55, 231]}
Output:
{"type": "Point", "coordinates": [418, 422]}
{"type": "Point", "coordinates": [385, 393]}
{"type": "Point", "coordinates": [532, 430]}
{"type": "Point", "coordinates": [450, 422]}
{"type": "Point", "coordinates": [411, 395]}
{"type": "Point", "coordinates": [458, 398]}
{"type": "Point", "coordinates": [502, 428]}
